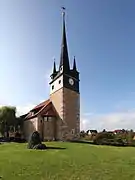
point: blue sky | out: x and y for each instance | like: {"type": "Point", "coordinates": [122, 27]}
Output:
{"type": "Point", "coordinates": [101, 36]}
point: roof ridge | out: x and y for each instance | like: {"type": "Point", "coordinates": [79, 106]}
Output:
{"type": "Point", "coordinates": [43, 108]}
{"type": "Point", "coordinates": [44, 105]}
{"type": "Point", "coordinates": [40, 104]}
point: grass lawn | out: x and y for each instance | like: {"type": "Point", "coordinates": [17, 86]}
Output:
{"type": "Point", "coordinates": [76, 162]}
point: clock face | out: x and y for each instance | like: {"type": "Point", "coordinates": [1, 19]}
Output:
{"type": "Point", "coordinates": [71, 81]}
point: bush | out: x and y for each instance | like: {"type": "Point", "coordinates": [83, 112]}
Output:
{"type": "Point", "coordinates": [17, 135]}
{"type": "Point", "coordinates": [106, 138]}
{"type": "Point", "coordinates": [11, 139]}
{"type": "Point", "coordinates": [18, 138]}
{"type": "Point", "coordinates": [40, 146]}
{"type": "Point", "coordinates": [100, 137]}
{"type": "Point", "coordinates": [35, 141]}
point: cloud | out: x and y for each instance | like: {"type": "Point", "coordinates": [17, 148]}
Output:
{"type": "Point", "coordinates": [20, 109]}
{"type": "Point", "coordinates": [109, 121]}
{"type": "Point", "coordinates": [47, 76]}
{"type": "Point", "coordinates": [24, 109]}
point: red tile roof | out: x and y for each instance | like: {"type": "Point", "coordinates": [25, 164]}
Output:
{"type": "Point", "coordinates": [42, 104]}
{"type": "Point", "coordinates": [44, 109]}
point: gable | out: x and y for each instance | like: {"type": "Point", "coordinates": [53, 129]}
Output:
{"type": "Point", "coordinates": [44, 109]}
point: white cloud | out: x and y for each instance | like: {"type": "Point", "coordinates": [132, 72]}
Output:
{"type": "Point", "coordinates": [109, 121]}
{"type": "Point", "coordinates": [24, 109]}
{"type": "Point", "coordinates": [47, 76]}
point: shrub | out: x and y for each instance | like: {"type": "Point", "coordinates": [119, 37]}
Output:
{"type": "Point", "coordinates": [100, 137]}
{"type": "Point", "coordinates": [17, 135]}
{"type": "Point", "coordinates": [105, 138]}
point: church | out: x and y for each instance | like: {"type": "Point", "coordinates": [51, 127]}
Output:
{"type": "Point", "coordinates": [58, 117]}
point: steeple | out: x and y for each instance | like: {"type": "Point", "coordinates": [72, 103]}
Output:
{"type": "Point", "coordinates": [54, 72]}
{"type": "Point", "coordinates": [54, 67]}
{"type": "Point", "coordinates": [74, 65]}
{"type": "Point", "coordinates": [64, 59]}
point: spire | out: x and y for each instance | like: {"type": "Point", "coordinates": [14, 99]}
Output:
{"type": "Point", "coordinates": [74, 65]}
{"type": "Point", "coordinates": [54, 67]}
{"type": "Point", "coordinates": [54, 73]}
{"type": "Point", "coordinates": [64, 59]}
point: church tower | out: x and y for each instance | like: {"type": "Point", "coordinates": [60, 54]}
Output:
{"type": "Point", "coordinates": [64, 93]}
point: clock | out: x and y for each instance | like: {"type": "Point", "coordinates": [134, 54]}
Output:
{"type": "Point", "coordinates": [71, 81]}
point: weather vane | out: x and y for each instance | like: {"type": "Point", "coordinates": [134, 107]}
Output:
{"type": "Point", "coordinates": [63, 10]}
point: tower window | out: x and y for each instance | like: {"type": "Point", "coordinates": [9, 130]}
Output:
{"type": "Point", "coordinates": [52, 87]}
{"type": "Point", "coordinates": [59, 81]}
{"type": "Point", "coordinates": [61, 69]}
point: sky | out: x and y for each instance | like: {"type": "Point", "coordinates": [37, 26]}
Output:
{"type": "Point", "coordinates": [101, 36]}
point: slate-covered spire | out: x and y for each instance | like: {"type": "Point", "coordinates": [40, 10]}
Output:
{"type": "Point", "coordinates": [54, 71]}
{"type": "Point", "coordinates": [54, 67]}
{"type": "Point", "coordinates": [74, 65]}
{"type": "Point", "coordinates": [64, 59]}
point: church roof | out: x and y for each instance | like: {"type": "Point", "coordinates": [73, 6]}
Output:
{"type": "Point", "coordinates": [45, 108]}
{"type": "Point", "coordinates": [42, 104]}
{"type": "Point", "coordinates": [64, 59]}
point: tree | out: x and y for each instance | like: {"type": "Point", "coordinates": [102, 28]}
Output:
{"type": "Point", "coordinates": [7, 119]}
{"type": "Point", "coordinates": [82, 134]}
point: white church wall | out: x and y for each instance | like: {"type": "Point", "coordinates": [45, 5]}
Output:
{"type": "Point", "coordinates": [56, 85]}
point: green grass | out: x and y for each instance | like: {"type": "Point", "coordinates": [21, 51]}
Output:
{"type": "Point", "coordinates": [76, 162]}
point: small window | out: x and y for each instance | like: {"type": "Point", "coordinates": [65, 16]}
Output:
{"type": "Point", "coordinates": [61, 69]}
{"type": "Point", "coordinates": [52, 87]}
{"type": "Point", "coordinates": [49, 118]}
{"type": "Point", "coordinates": [73, 131]}
{"type": "Point", "coordinates": [59, 81]}
{"type": "Point", "coordinates": [45, 118]}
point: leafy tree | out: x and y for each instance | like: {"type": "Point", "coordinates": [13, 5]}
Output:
{"type": "Point", "coordinates": [7, 119]}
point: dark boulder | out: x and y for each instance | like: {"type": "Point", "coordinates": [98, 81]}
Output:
{"type": "Point", "coordinates": [35, 141]}
{"type": "Point", "coordinates": [40, 146]}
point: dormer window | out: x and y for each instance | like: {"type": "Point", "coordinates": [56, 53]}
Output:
{"type": "Point", "coordinates": [52, 87]}
{"type": "Point", "coordinates": [59, 81]}
{"type": "Point", "coordinates": [32, 113]}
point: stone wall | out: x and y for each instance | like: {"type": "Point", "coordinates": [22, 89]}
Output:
{"type": "Point", "coordinates": [67, 105]}
{"type": "Point", "coordinates": [29, 127]}
{"type": "Point", "coordinates": [49, 128]}
{"type": "Point", "coordinates": [71, 111]}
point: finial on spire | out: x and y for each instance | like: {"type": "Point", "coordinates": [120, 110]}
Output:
{"type": "Point", "coordinates": [63, 10]}
{"type": "Point", "coordinates": [64, 59]}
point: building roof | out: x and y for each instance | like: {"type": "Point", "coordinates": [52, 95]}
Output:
{"type": "Point", "coordinates": [64, 59]}
{"type": "Point", "coordinates": [45, 108]}
{"type": "Point", "coordinates": [41, 104]}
